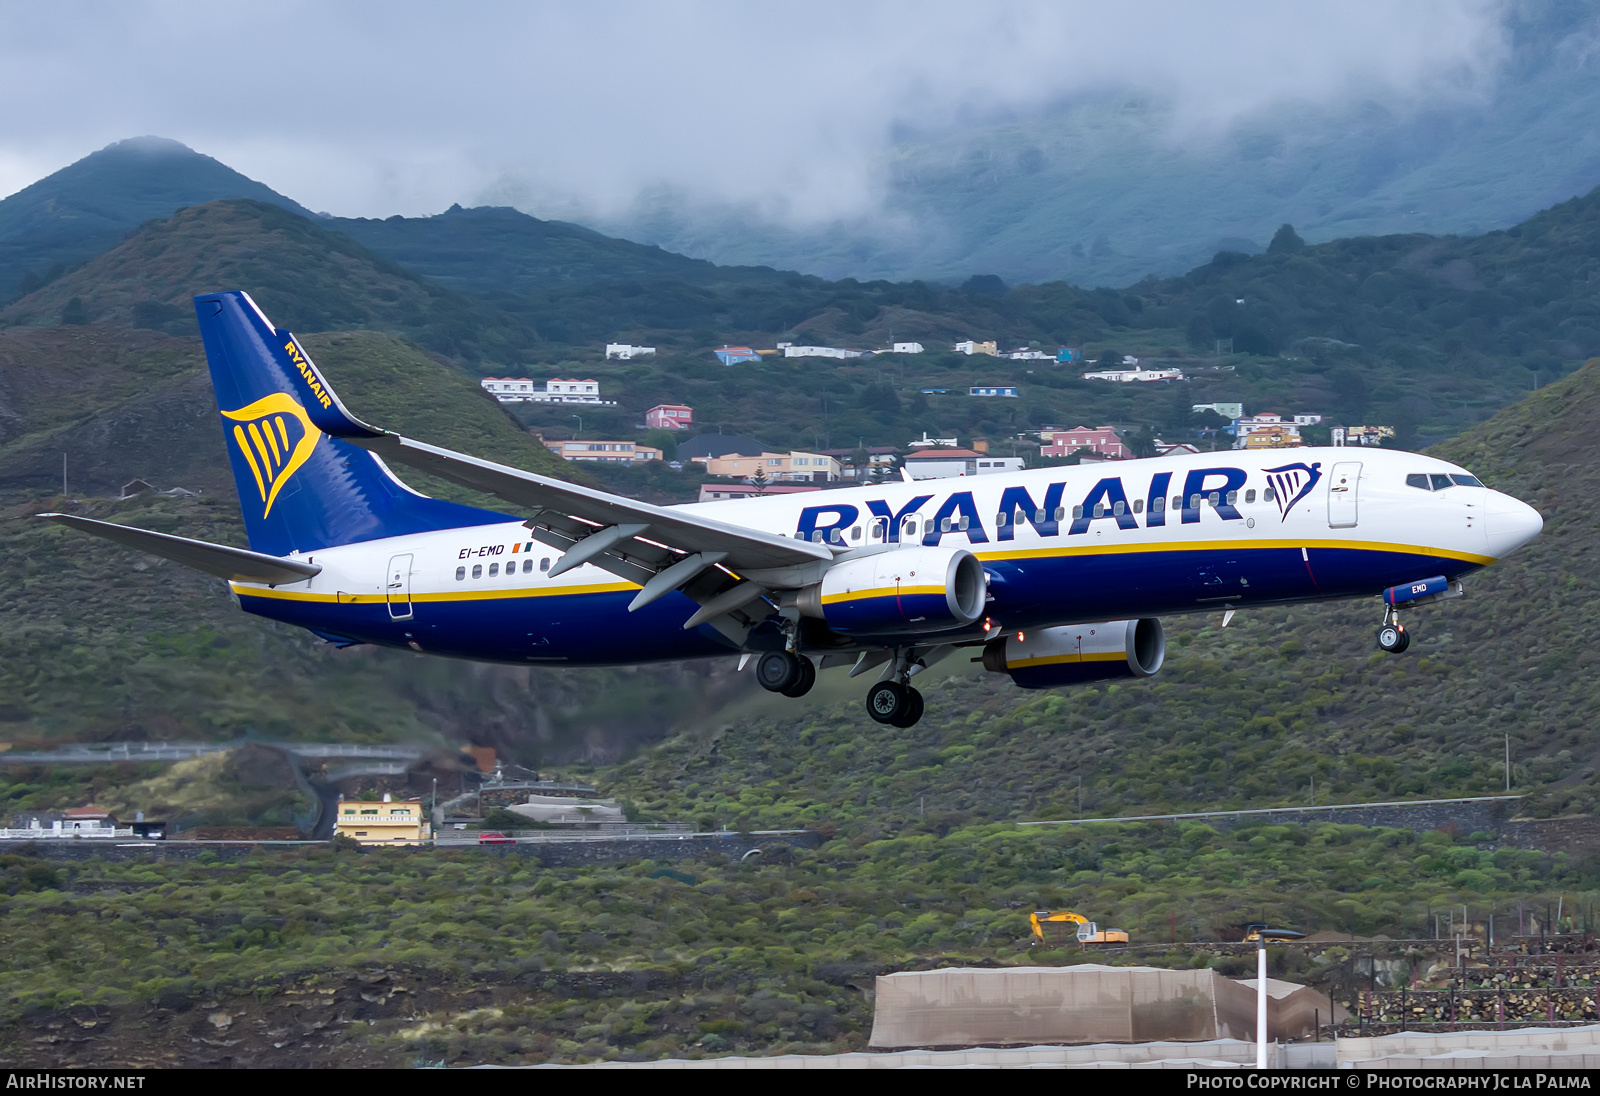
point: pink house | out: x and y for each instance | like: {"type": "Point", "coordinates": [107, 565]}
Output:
{"type": "Point", "coordinates": [1103, 441]}
{"type": "Point", "coordinates": [669, 416]}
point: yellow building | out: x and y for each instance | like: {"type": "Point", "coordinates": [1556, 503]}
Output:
{"type": "Point", "coordinates": [1273, 437]}
{"type": "Point", "coordinates": [795, 467]}
{"type": "Point", "coordinates": [391, 822]}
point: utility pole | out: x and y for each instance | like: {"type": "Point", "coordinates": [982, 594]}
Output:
{"type": "Point", "coordinates": [63, 475]}
{"type": "Point", "coordinates": [1508, 764]}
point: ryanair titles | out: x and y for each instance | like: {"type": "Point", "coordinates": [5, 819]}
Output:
{"type": "Point", "coordinates": [1049, 515]}
{"type": "Point", "coordinates": [313, 381]}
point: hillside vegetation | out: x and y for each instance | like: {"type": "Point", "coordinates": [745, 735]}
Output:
{"type": "Point", "coordinates": [305, 278]}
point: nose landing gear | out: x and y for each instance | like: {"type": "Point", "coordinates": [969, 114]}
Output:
{"type": "Point", "coordinates": [1392, 635]}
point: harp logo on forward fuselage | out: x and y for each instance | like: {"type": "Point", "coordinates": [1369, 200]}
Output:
{"type": "Point", "coordinates": [276, 437]}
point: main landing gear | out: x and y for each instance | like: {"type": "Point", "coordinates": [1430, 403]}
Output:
{"type": "Point", "coordinates": [786, 672]}
{"type": "Point", "coordinates": [1392, 635]}
{"type": "Point", "coordinates": [892, 702]}
{"type": "Point", "coordinates": [895, 704]}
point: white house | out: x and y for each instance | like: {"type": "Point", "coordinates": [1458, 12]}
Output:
{"type": "Point", "coordinates": [509, 389]}
{"type": "Point", "coordinates": [906, 348]}
{"type": "Point", "coordinates": [792, 351]}
{"type": "Point", "coordinates": [942, 463]}
{"type": "Point", "coordinates": [993, 390]}
{"type": "Point", "coordinates": [1131, 376]}
{"type": "Point", "coordinates": [1308, 420]}
{"type": "Point", "coordinates": [1026, 355]}
{"type": "Point", "coordinates": [1226, 410]}
{"type": "Point", "coordinates": [624, 352]}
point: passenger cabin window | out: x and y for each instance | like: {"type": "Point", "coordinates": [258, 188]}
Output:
{"type": "Point", "coordinates": [1117, 508]}
{"type": "Point", "coordinates": [461, 573]}
{"type": "Point", "coordinates": [544, 564]}
{"type": "Point", "coordinates": [1000, 519]}
{"type": "Point", "coordinates": [1233, 498]}
{"type": "Point", "coordinates": [1250, 496]}
{"type": "Point", "coordinates": [1138, 506]}
{"type": "Point", "coordinates": [494, 569]}
{"type": "Point", "coordinates": [1158, 505]}
{"type": "Point", "coordinates": [1061, 513]}
{"type": "Point", "coordinates": [855, 532]}
{"type": "Point", "coordinates": [1077, 513]}
{"type": "Point", "coordinates": [527, 566]}
{"type": "Point", "coordinates": [1269, 495]}
{"type": "Point", "coordinates": [477, 570]}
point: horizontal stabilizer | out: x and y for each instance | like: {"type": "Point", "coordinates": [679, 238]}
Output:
{"type": "Point", "coordinates": [236, 564]}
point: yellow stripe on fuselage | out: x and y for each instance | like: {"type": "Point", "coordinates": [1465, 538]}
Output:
{"type": "Point", "coordinates": [1047, 551]}
{"type": "Point", "coordinates": [510, 593]}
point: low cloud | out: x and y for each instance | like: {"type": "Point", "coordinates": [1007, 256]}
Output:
{"type": "Point", "coordinates": [788, 113]}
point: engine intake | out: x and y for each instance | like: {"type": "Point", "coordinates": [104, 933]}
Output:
{"type": "Point", "coordinates": [1078, 653]}
{"type": "Point", "coordinates": [898, 591]}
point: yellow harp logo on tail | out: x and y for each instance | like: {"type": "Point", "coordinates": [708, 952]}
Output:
{"type": "Point", "coordinates": [276, 437]}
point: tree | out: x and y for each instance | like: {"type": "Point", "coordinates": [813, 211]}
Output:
{"type": "Point", "coordinates": [759, 480]}
{"type": "Point", "coordinates": [74, 313]}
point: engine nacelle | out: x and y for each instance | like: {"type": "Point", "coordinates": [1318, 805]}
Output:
{"type": "Point", "coordinates": [898, 591]}
{"type": "Point", "coordinates": [1078, 653]}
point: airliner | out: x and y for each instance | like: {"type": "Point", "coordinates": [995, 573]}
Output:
{"type": "Point", "coordinates": [1052, 576]}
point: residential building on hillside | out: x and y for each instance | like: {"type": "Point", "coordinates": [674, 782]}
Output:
{"type": "Point", "coordinates": [906, 348]}
{"type": "Point", "coordinates": [991, 348]}
{"type": "Point", "coordinates": [624, 352]}
{"type": "Point", "coordinates": [792, 351]}
{"type": "Point", "coordinates": [560, 390]}
{"type": "Point", "coordinates": [926, 442]}
{"type": "Point", "coordinates": [993, 390]}
{"type": "Point", "coordinates": [1264, 432]}
{"type": "Point", "coordinates": [1068, 355]}
{"type": "Point", "coordinates": [509, 389]}
{"type": "Point", "coordinates": [926, 464]}
{"type": "Point", "coordinates": [795, 467]}
{"type": "Point", "coordinates": [712, 492]}
{"type": "Point", "coordinates": [391, 822]}
{"type": "Point", "coordinates": [1135, 375]}
{"type": "Point", "coordinates": [1102, 441]}
{"type": "Point", "coordinates": [612, 452]}
{"type": "Point", "coordinates": [1026, 355]}
{"type": "Point", "coordinates": [733, 355]}
{"type": "Point", "coordinates": [1228, 411]}
{"type": "Point", "coordinates": [1308, 420]}
{"type": "Point", "coordinates": [1174, 449]}
{"type": "Point", "coordinates": [669, 416]}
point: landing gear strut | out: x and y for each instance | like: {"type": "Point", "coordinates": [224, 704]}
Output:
{"type": "Point", "coordinates": [1392, 635]}
{"type": "Point", "coordinates": [786, 672]}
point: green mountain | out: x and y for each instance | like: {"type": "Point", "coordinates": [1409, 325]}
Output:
{"type": "Point", "coordinates": [305, 276]}
{"type": "Point", "coordinates": [87, 207]}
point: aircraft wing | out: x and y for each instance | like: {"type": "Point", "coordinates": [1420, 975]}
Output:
{"type": "Point", "coordinates": [726, 568]}
{"type": "Point", "coordinates": [579, 512]}
{"type": "Point", "coordinates": [236, 564]}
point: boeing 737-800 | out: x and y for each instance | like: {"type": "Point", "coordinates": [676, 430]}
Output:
{"type": "Point", "coordinates": [1052, 576]}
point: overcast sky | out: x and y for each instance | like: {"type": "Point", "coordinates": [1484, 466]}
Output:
{"type": "Point", "coordinates": [371, 109]}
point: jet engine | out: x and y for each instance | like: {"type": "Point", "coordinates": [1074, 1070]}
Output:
{"type": "Point", "coordinates": [898, 591]}
{"type": "Point", "coordinates": [1078, 653]}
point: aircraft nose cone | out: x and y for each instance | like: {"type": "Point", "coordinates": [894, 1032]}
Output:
{"type": "Point", "coordinates": [1512, 523]}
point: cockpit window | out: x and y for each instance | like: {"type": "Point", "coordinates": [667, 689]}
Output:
{"type": "Point", "coordinates": [1440, 482]}
{"type": "Point", "coordinates": [1466, 481]}
{"type": "Point", "coordinates": [1418, 479]}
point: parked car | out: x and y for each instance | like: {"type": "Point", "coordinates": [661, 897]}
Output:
{"type": "Point", "coordinates": [495, 839]}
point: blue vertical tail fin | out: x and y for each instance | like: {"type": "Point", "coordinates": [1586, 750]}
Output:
{"type": "Point", "coordinates": [301, 489]}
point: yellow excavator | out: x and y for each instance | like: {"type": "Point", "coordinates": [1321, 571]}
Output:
{"type": "Point", "coordinates": [1087, 932]}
